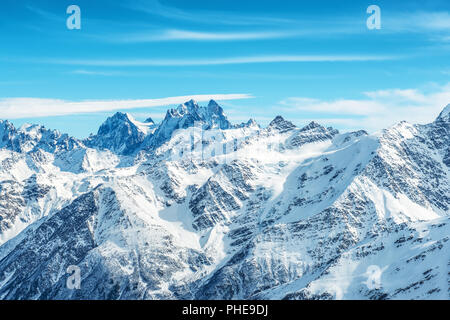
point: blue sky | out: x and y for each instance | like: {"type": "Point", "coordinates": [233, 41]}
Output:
{"type": "Point", "coordinates": [305, 60]}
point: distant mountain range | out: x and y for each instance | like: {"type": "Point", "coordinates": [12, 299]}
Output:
{"type": "Point", "coordinates": [285, 213]}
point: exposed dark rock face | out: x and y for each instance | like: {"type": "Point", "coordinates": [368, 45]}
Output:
{"type": "Point", "coordinates": [281, 125]}
{"type": "Point", "coordinates": [118, 134]}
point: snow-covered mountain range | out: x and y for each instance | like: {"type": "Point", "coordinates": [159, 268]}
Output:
{"type": "Point", "coordinates": [198, 208]}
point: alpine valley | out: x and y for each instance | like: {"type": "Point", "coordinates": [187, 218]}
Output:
{"type": "Point", "coordinates": [287, 213]}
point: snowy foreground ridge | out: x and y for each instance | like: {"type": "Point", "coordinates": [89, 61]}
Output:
{"type": "Point", "coordinates": [161, 211]}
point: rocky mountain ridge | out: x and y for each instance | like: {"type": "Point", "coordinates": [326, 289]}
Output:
{"type": "Point", "coordinates": [289, 213]}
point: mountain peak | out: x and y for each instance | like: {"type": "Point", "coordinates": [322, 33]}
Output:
{"type": "Point", "coordinates": [7, 130]}
{"type": "Point", "coordinates": [312, 125]}
{"type": "Point", "coordinates": [120, 115]}
{"type": "Point", "coordinates": [118, 133]}
{"type": "Point", "coordinates": [186, 115]}
{"type": "Point", "coordinates": [252, 123]}
{"type": "Point", "coordinates": [115, 122]}
{"type": "Point", "coordinates": [444, 115]}
{"type": "Point", "coordinates": [31, 137]}
{"type": "Point", "coordinates": [149, 120]}
{"type": "Point", "coordinates": [188, 107]}
{"type": "Point", "coordinates": [6, 124]}
{"type": "Point", "coordinates": [214, 108]}
{"type": "Point", "coordinates": [281, 124]}
{"type": "Point", "coordinates": [213, 103]}
{"type": "Point", "coordinates": [277, 119]}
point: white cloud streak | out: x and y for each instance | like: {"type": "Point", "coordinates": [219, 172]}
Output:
{"type": "Point", "coordinates": [215, 61]}
{"type": "Point", "coordinates": [419, 21]}
{"type": "Point", "coordinates": [187, 35]}
{"type": "Point", "coordinates": [434, 23]}
{"type": "Point", "coordinates": [97, 73]}
{"type": "Point", "coordinates": [412, 21]}
{"type": "Point", "coordinates": [17, 108]}
{"type": "Point", "coordinates": [393, 22]}
{"type": "Point", "coordinates": [154, 7]}
{"type": "Point", "coordinates": [380, 109]}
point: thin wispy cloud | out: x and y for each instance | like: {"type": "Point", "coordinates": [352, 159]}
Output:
{"type": "Point", "coordinates": [154, 7]}
{"type": "Point", "coordinates": [17, 108]}
{"type": "Point", "coordinates": [45, 14]}
{"type": "Point", "coordinates": [97, 73]}
{"type": "Point", "coordinates": [181, 35]}
{"type": "Point", "coordinates": [187, 35]}
{"type": "Point", "coordinates": [13, 83]}
{"type": "Point", "coordinates": [393, 22]}
{"type": "Point", "coordinates": [213, 61]}
{"type": "Point", "coordinates": [341, 106]}
{"type": "Point", "coordinates": [439, 21]}
{"type": "Point", "coordinates": [434, 24]}
{"type": "Point", "coordinates": [380, 109]}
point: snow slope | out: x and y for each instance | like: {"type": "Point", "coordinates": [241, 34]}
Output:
{"type": "Point", "coordinates": [161, 212]}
